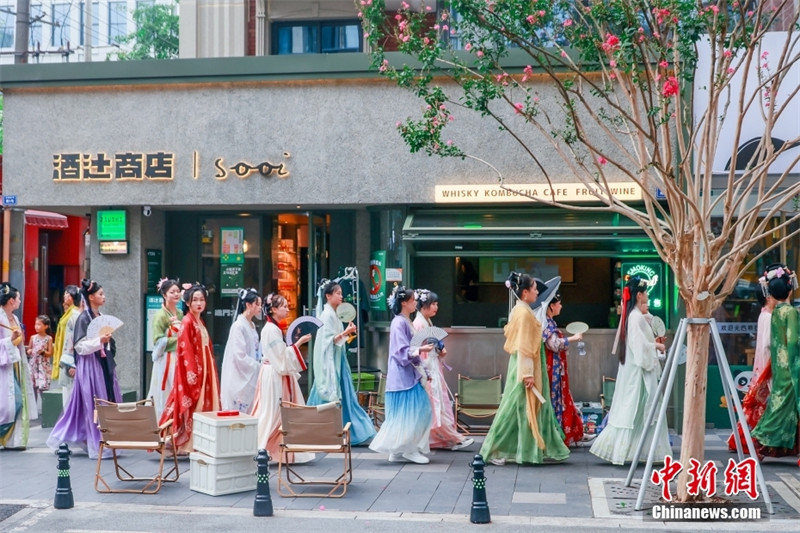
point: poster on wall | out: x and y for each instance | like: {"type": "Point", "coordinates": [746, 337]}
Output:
{"type": "Point", "coordinates": [377, 281]}
{"type": "Point", "coordinates": [231, 278]}
{"type": "Point", "coordinates": [231, 245]}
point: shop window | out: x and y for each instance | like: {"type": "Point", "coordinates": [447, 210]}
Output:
{"type": "Point", "coordinates": [117, 21]}
{"type": "Point", "coordinates": [95, 23]}
{"type": "Point", "coordinates": [315, 37]}
{"type": "Point", "coordinates": [7, 22]}
{"type": "Point", "coordinates": [59, 35]}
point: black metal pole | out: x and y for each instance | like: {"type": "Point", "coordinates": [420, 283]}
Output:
{"type": "Point", "coordinates": [263, 504]}
{"type": "Point", "coordinates": [479, 514]}
{"type": "Point", "coordinates": [63, 498]}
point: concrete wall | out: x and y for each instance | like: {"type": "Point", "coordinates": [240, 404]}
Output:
{"type": "Point", "coordinates": [344, 146]}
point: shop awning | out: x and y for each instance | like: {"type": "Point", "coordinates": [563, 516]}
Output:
{"type": "Point", "coordinates": [530, 230]}
{"type": "Point", "coordinates": [45, 219]}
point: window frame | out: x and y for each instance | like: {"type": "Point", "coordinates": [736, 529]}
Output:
{"type": "Point", "coordinates": [318, 24]}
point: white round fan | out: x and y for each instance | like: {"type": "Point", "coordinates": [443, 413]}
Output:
{"type": "Point", "coordinates": [301, 326]}
{"type": "Point", "coordinates": [103, 325]}
{"type": "Point", "coordinates": [577, 328]}
{"type": "Point", "coordinates": [659, 328]}
{"type": "Point", "coordinates": [346, 312]}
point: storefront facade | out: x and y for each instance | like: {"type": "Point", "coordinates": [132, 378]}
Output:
{"type": "Point", "coordinates": [296, 167]}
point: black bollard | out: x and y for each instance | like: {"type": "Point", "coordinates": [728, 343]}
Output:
{"type": "Point", "coordinates": [263, 504]}
{"type": "Point", "coordinates": [479, 514]}
{"type": "Point", "coordinates": [63, 499]}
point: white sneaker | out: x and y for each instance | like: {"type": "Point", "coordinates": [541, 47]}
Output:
{"type": "Point", "coordinates": [395, 457]}
{"type": "Point", "coordinates": [416, 457]}
{"type": "Point", "coordinates": [463, 444]}
{"type": "Point", "coordinates": [498, 462]}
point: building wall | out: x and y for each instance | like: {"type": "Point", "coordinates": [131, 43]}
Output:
{"type": "Point", "coordinates": [341, 139]}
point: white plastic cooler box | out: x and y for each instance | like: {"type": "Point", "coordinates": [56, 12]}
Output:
{"type": "Point", "coordinates": [215, 476]}
{"type": "Point", "coordinates": [225, 436]}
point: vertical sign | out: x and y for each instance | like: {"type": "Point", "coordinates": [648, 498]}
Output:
{"type": "Point", "coordinates": [231, 259]}
{"type": "Point", "coordinates": [152, 305]}
{"type": "Point", "coordinates": [153, 269]}
{"type": "Point", "coordinates": [377, 281]}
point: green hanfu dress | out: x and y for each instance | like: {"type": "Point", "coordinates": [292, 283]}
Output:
{"type": "Point", "coordinates": [525, 429]}
{"type": "Point", "coordinates": [777, 427]}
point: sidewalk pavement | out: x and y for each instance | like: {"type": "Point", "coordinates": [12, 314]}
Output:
{"type": "Point", "coordinates": [580, 492]}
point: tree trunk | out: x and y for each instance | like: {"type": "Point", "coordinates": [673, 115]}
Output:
{"type": "Point", "coordinates": [694, 400]}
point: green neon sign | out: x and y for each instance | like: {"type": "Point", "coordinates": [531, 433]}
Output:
{"type": "Point", "coordinates": [112, 225]}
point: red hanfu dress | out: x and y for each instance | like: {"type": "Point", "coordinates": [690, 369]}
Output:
{"type": "Point", "coordinates": [196, 385]}
{"type": "Point", "coordinates": [564, 407]}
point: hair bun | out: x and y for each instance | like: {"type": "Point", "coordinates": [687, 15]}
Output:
{"type": "Point", "coordinates": [86, 284]}
{"type": "Point", "coordinates": [512, 282]}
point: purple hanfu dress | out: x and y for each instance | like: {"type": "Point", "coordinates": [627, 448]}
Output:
{"type": "Point", "coordinates": [95, 377]}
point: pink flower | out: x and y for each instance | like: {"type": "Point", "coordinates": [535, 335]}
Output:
{"type": "Point", "coordinates": [519, 107]}
{"type": "Point", "coordinates": [731, 70]}
{"type": "Point", "coordinates": [527, 73]}
{"type": "Point", "coordinates": [366, 35]}
{"type": "Point", "coordinates": [663, 63]}
{"type": "Point", "coordinates": [428, 8]}
{"type": "Point", "coordinates": [384, 65]}
{"type": "Point", "coordinates": [479, 53]}
{"type": "Point", "coordinates": [764, 54]}
{"type": "Point", "coordinates": [749, 13]}
{"type": "Point", "coordinates": [445, 27]}
{"type": "Point", "coordinates": [398, 17]}
{"type": "Point", "coordinates": [602, 160]}
{"type": "Point", "coordinates": [404, 5]}
{"type": "Point", "coordinates": [727, 53]}
{"type": "Point", "coordinates": [531, 19]}
{"type": "Point", "coordinates": [445, 14]}
{"type": "Point", "coordinates": [670, 87]}
{"type": "Point", "coordinates": [611, 43]}
{"type": "Point", "coordinates": [397, 124]}
{"type": "Point", "coordinates": [436, 27]}
{"type": "Point", "coordinates": [563, 53]}
{"type": "Point", "coordinates": [612, 64]}
{"type": "Point", "coordinates": [449, 142]}
{"type": "Point", "coordinates": [468, 47]}
{"type": "Point", "coordinates": [567, 23]}
{"type": "Point", "coordinates": [542, 13]}
{"type": "Point", "coordinates": [714, 8]}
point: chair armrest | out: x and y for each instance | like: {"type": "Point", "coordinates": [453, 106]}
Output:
{"type": "Point", "coordinates": [346, 428]}
{"type": "Point", "coordinates": [166, 424]}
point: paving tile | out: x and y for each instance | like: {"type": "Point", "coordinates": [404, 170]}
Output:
{"type": "Point", "coordinates": [539, 497]}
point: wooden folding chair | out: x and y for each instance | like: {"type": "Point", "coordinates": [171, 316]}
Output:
{"type": "Point", "coordinates": [477, 398]}
{"type": "Point", "coordinates": [376, 408]}
{"type": "Point", "coordinates": [313, 429]}
{"type": "Point", "coordinates": [133, 426]}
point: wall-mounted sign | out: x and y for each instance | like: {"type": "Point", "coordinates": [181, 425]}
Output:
{"type": "Point", "coordinates": [394, 274]}
{"type": "Point", "coordinates": [527, 192]}
{"type": "Point", "coordinates": [112, 225]}
{"type": "Point", "coordinates": [122, 166]}
{"type": "Point", "coordinates": [154, 264]}
{"type": "Point", "coordinates": [114, 247]}
{"type": "Point", "coordinates": [152, 305]}
{"type": "Point", "coordinates": [9, 200]}
{"type": "Point", "coordinates": [100, 167]}
{"type": "Point", "coordinates": [377, 281]}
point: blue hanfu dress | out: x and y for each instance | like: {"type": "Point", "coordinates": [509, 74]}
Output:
{"type": "Point", "coordinates": [332, 380]}
{"type": "Point", "coordinates": [408, 409]}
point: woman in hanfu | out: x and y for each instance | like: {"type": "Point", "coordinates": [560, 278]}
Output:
{"type": "Point", "coordinates": [637, 383]}
{"type": "Point", "coordinates": [405, 432]}
{"type": "Point", "coordinates": [17, 401]}
{"type": "Point", "coordinates": [443, 423]}
{"type": "Point", "coordinates": [166, 324]}
{"type": "Point", "coordinates": [95, 377]}
{"type": "Point", "coordinates": [555, 344]}
{"type": "Point", "coordinates": [278, 379]}
{"type": "Point", "coordinates": [755, 401]}
{"type": "Point", "coordinates": [331, 371]}
{"type": "Point", "coordinates": [241, 361]}
{"type": "Point", "coordinates": [63, 346]}
{"type": "Point", "coordinates": [776, 434]}
{"type": "Point", "coordinates": [195, 386]}
{"type": "Point", "coordinates": [524, 430]}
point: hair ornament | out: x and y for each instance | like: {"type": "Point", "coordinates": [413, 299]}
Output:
{"type": "Point", "coordinates": [6, 289]}
{"type": "Point", "coordinates": [161, 283]}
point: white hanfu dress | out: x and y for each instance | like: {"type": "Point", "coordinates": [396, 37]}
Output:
{"type": "Point", "coordinates": [637, 382]}
{"type": "Point", "coordinates": [240, 366]}
{"type": "Point", "coordinates": [278, 380]}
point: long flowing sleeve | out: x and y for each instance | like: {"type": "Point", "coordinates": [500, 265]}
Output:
{"type": "Point", "coordinates": [761, 357]}
{"type": "Point", "coordinates": [285, 360]}
{"type": "Point", "coordinates": [553, 341]}
{"type": "Point", "coordinates": [161, 326]}
{"type": "Point", "coordinates": [68, 350]}
{"type": "Point", "coordinates": [641, 343]}
{"type": "Point", "coordinates": [9, 353]}
{"type": "Point", "coordinates": [324, 369]}
{"type": "Point", "coordinates": [239, 368]}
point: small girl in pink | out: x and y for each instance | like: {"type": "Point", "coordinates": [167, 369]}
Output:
{"type": "Point", "coordinates": [444, 433]}
{"type": "Point", "coordinates": [40, 353]}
